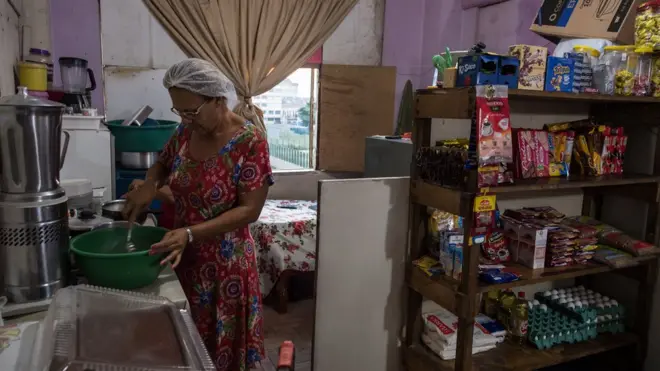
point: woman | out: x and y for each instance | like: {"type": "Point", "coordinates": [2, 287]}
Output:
{"type": "Point", "coordinates": [218, 170]}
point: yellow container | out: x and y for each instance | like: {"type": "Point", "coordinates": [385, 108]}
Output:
{"type": "Point", "coordinates": [33, 76]}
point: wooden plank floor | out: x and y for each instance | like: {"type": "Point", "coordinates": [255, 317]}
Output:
{"type": "Point", "coordinates": [296, 325]}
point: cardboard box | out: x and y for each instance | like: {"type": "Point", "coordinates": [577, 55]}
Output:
{"type": "Point", "coordinates": [603, 19]}
{"type": "Point", "coordinates": [559, 74]}
{"type": "Point", "coordinates": [531, 75]}
{"type": "Point", "coordinates": [480, 69]}
{"type": "Point", "coordinates": [527, 254]}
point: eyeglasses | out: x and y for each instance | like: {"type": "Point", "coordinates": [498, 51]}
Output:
{"type": "Point", "coordinates": [188, 113]}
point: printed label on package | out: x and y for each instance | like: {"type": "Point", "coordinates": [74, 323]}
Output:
{"type": "Point", "coordinates": [619, 16]}
{"type": "Point", "coordinates": [555, 12]}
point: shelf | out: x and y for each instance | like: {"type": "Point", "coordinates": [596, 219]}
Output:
{"type": "Point", "coordinates": [459, 102]}
{"type": "Point", "coordinates": [449, 199]}
{"type": "Point", "coordinates": [509, 356]}
{"type": "Point", "coordinates": [439, 289]}
{"type": "Point", "coordinates": [575, 182]}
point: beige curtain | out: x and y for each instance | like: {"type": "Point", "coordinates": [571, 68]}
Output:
{"type": "Point", "coordinates": [256, 43]}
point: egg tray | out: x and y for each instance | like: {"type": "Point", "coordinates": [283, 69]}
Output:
{"type": "Point", "coordinates": [584, 315]}
{"type": "Point", "coordinates": [551, 327]}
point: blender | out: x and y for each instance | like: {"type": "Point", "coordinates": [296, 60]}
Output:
{"type": "Point", "coordinates": [75, 74]}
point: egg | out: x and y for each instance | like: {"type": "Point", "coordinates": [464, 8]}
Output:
{"type": "Point", "coordinates": [570, 300]}
{"type": "Point", "coordinates": [605, 298]}
{"type": "Point", "coordinates": [600, 306]}
{"type": "Point", "coordinates": [562, 301]}
{"type": "Point", "coordinates": [547, 293]}
{"type": "Point", "coordinates": [544, 307]}
{"type": "Point", "coordinates": [571, 306]}
{"type": "Point", "coordinates": [614, 302]}
{"type": "Point", "coordinates": [598, 295]}
{"type": "Point", "coordinates": [536, 302]}
{"type": "Point", "coordinates": [554, 297]}
{"type": "Point", "coordinates": [554, 292]}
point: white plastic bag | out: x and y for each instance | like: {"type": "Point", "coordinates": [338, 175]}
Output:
{"type": "Point", "coordinates": [449, 353]}
{"type": "Point", "coordinates": [442, 325]}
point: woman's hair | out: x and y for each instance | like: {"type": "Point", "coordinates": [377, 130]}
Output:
{"type": "Point", "coordinates": [201, 77]}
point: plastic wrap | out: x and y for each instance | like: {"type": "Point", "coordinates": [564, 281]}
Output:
{"type": "Point", "coordinates": [103, 329]}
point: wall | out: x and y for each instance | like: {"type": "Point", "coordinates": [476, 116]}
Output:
{"type": "Point", "coordinates": [137, 51]}
{"type": "Point", "coordinates": [75, 32]}
{"type": "Point", "coordinates": [9, 45]}
{"type": "Point", "coordinates": [415, 30]}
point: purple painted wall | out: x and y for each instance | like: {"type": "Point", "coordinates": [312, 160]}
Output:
{"type": "Point", "coordinates": [438, 24]}
{"type": "Point", "coordinates": [402, 45]}
{"type": "Point", "coordinates": [76, 32]}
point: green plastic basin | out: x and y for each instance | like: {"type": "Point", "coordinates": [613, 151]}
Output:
{"type": "Point", "coordinates": [141, 138]}
{"type": "Point", "coordinates": [101, 256]}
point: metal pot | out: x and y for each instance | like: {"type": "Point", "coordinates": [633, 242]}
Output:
{"type": "Point", "coordinates": [112, 210]}
{"type": "Point", "coordinates": [138, 160]}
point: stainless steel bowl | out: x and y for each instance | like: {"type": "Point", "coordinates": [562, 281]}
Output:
{"type": "Point", "coordinates": [138, 160]}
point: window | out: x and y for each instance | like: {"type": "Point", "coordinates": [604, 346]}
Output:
{"type": "Point", "coordinates": [291, 120]}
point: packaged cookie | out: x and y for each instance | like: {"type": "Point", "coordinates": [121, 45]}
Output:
{"type": "Point", "coordinates": [541, 152]}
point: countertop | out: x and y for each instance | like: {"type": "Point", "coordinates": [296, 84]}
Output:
{"type": "Point", "coordinates": [167, 285]}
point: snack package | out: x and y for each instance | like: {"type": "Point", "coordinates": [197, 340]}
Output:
{"type": "Point", "coordinates": [440, 221]}
{"type": "Point", "coordinates": [525, 159]}
{"type": "Point", "coordinates": [429, 265]}
{"type": "Point", "coordinates": [495, 248]}
{"type": "Point", "coordinates": [626, 243]}
{"type": "Point", "coordinates": [541, 153]}
{"type": "Point", "coordinates": [614, 258]}
{"type": "Point", "coordinates": [546, 212]}
{"type": "Point", "coordinates": [494, 139]}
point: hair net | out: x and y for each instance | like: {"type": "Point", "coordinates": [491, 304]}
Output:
{"type": "Point", "coordinates": [201, 77]}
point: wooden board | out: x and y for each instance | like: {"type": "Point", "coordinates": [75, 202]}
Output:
{"type": "Point", "coordinates": [361, 248]}
{"type": "Point", "coordinates": [354, 103]}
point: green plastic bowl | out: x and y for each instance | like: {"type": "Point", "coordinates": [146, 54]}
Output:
{"type": "Point", "coordinates": [141, 138]}
{"type": "Point", "coordinates": [99, 255]}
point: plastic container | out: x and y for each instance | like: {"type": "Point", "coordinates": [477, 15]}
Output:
{"type": "Point", "coordinates": [616, 70]}
{"type": "Point", "coordinates": [643, 72]}
{"type": "Point", "coordinates": [647, 25]}
{"type": "Point", "coordinates": [585, 58]}
{"type": "Point", "coordinates": [33, 76]}
{"type": "Point", "coordinates": [93, 328]}
{"type": "Point", "coordinates": [146, 138]}
{"type": "Point", "coordinates": [100, 256]}
{"type": "Point", "coordinates": [42, 56]}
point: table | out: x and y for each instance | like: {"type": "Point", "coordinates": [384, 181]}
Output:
{"type": "Point", "coordinates": [285, 239]}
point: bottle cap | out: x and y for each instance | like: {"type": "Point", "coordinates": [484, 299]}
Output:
{"type": "Point", "coordinates": [521, 294]}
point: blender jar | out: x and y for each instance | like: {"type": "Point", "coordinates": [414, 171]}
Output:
{"type": "Point", "coordinates": [74, 74]}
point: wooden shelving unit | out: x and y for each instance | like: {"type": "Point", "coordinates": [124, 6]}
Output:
{"type": "Point", "coordinates": [463, 298]}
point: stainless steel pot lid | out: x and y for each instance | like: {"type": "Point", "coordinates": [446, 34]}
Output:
{"type": "Point", "coordinates": [85, 220]}
{"type": "Point", "coordinates": [24, 100]}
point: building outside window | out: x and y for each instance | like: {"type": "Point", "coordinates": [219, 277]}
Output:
{"type": "Point", "coordinates": [290, 120]}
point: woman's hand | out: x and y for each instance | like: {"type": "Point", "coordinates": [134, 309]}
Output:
{"type": "Point", "coordinates": [140, 194]}
{"type": "Point", "coordinates": [173, 242]}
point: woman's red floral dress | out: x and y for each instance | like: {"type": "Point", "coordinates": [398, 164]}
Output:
{"type": "Point", "coordinates": [220, 276]}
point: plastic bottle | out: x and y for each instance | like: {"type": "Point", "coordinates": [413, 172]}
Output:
{"type": "Point", "coordinates": [492, 303]}
{"type": "Point", "coordinates": [507, 301]}
{"type": "Point", "coordinates": [519, 319]}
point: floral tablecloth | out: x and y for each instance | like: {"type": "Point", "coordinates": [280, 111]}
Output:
{"type": "Point", "coordinates": [285, 237]}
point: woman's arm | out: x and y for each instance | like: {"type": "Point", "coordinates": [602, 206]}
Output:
{"type": "Point", "coordinates": [165, 195]}
{"type": "Point", "coordinates": [248, 210]}
{"type": "Point", "coordinates": [156, 175]}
